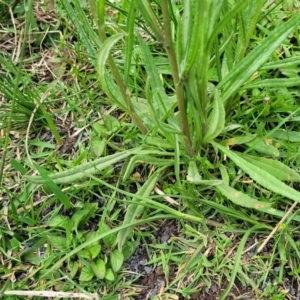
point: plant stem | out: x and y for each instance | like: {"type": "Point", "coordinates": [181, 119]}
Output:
{"type": "Point", "coordinates": [116, 74]}
{"type": "Point", "coordinates": [168, 44]}
{"type": "Point", "coordinates": [125, 94]}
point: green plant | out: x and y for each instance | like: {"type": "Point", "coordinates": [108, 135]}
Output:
{"type": "Point", "coordinates": [96, 260]}
{"type": "Point", "coordinates": [211, 69]}
{"type": "Point", "coordinates": [198, 106]}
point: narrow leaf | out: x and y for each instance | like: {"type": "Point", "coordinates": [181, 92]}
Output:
{"type": "Point", "coordinates": [282, 63]}
{"type": "Point", "coordinates": [150, 18]}
{"type": "Point", "coordinates": [273, 83]}
{"type": "Point", "coordinates": [160, 102]}
{"type": "Point", "coordinates": [261, 146]}
{"type": "Point", "coordinates": [134, 211]}
{"type": "Point", "coordinates": [252, 62]}
{"type": "Point", "coordinates": [16, 164]}
{"type": "Point", "coordinates": [85, 37]}
{"type": "Point", "coordinates": [129, 40]}
{"type": "Point", "coordinates": [216, 119]}
{"type": "Point", "coordinates": [53, 187]}
{"type": "Point", "coordinates": [145, 159]}
{"type": "Point", "coordinates": [239, 140]}
{"type": "Point", "coordinates": [292, 136]}
{"type": "Point", "coordinates": [79, 172]}
{"type": "Point", "coordinates": [108, 85]}
{"type": "Point", "coordinates": [240, 198]}
{"type": "Point", "coordinates": [261, 176]}
{"type": "Point", "coordinates": [275, 168]}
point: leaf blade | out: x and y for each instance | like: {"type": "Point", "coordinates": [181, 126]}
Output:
{"type": "Point", "coordinates": [262, 177]}
{"type": "Point", "coordinates": [240, 198]}
{"type": "Point", "coordinates": [252, 62]}
{"type": "Point", "coordinates": [134, 211]}
{"type": "Point", "coordinates": [277, 168]}
{"type": "Point", "coordinates": [216, 119]}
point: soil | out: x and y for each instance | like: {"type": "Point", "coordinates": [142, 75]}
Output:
{"type": "Point", "coordinates": [152, 280]}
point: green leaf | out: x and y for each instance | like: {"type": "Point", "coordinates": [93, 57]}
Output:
{"type": "Point", "coordinates": [58, 221]}
{"type": "Point", "coordinates": [240, 198]}
{"type": "Point", "coordinates": [134, 211]}
{"type": "Point", "coordinates": [261, 176]}
{"type": "Point", "coordinates": [116, 260]}
{"type": "Point", "coordinates": [252, 62]}
{"type": "Point", "coordinates": [275, 168]}
{"type": "Point", "coordinates": [86, 274]}
{"type": "Point", "coordinates": [237, 260]}
{"type": "Point", "coordinates": [209, 182]}
{"type": "Point", "coordinates": [109, 275]}
{"type": "Point", "coordinates": [188, 40]}
{"type": "Point", "coordinates": [94, 250]}
{"type": "Point", "coordinates": [33, 259]}
{"type": "Point", "coordinates": [239, 140]}
{"type": "Point", "coordinates": [99, 268]}
{"type": "Point", "coordinates": [128, 249]}
{"type": "Point", "coordinates": [150, 18]}
{"type": "Point", "coordinates": [79, 172]}
{"type": "Point", "coordinates": [84, 253]}
{"type": "Point", "coordinates": [260, 145]}
{"type": "Point", "coordinates": [129, 39]}
{"type": "Point", "coordinates": [82, 216]}
{"type": "Point", "coordinates": [91, 252]}
{"type": "Point", "coordinates": [216, 119]}
{"type": "Point", "coordinates": [58, 242]}
{"type": "Point", "coordinates": [224, 174]}
{"type": "Point", "coordinates": [90, 236]}
{"type": "Point", "coordinates": [159, 143]}
{"type": "Point", "coordinates": [292, 136]}
{"type": "Point", "coordinates": [98, 146]}
{"type": "Point", "coordinates": [41, 144]}
{"type": "Point", "coordinates": [160, 103]}
{"type": "Point", "coordinates": [53, 187]}
{"type": "Point", "coordinates": [16, 164]}
{"type": "Point", "coordinates": [146, 159]}
{"type": "Point", "coordinates": [108, 85]}
{"type": "Point", "coordinates": [100, 129]}
{"type": "Point", "coordinates": [108, 240]}
{"type": "Point", "coordinates": [73, 267]}
{"type": "Point", "coordinates": [273, 83]}
{"type": "Point", "coordinates": [100, 236]}
{"type": "Point", "coordinates": [85, 32]}
{"type": "Point", "coordinates": [193, 173]}
{"type": "Point", "coordinates": [282, 63]}
{"type": "Point", "coordinates": [111, 298]}
{"type": "Point", "coordinates": [111, 123]}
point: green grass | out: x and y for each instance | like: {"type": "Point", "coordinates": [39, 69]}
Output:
{"type": "Point", "coordinates": [164, 133]}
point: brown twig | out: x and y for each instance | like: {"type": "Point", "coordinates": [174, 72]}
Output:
{"type": "Point", "coordinates": [276, 227]}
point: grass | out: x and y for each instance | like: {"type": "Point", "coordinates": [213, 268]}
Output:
{"type": "Point", "coordinates": [145, 158]}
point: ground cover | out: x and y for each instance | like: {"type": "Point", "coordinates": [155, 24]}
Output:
{"type": "Point", "coordinates": [134, 170]}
